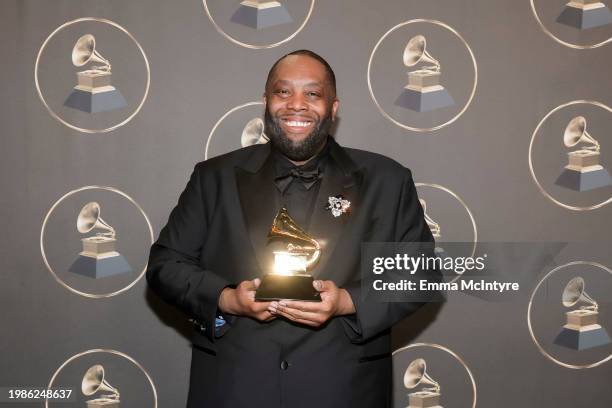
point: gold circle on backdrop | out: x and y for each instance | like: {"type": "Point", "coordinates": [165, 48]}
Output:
{"type": "Point", "coordinates": [531, 170]}
{"type": "Point", "coordinates": [467, 104]}
{"type": "Point", "coordinates": [44, 255]}
{"type": "Point", "coordinates": [254, 46]}
{"type": "Point", "coordinates": [557, 39]}
{"type": "Point", "coordinates": [55, 115]}
{"type": "Point", "coordinates": [533, 337]}
{"type": "Point", "coordinates": [107, 351]}
{"type": "Point", "coordinates": [229, 112]}
{"type": "Point", "coordinates": [467, 209]}
{"type": "Point", "coordinates": [453, 354]}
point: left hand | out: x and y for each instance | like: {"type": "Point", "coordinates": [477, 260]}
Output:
{"type": "Point", "coordinates": [334, 302]}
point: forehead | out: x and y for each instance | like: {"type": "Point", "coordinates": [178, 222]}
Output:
{"type": "Point", "coordinates": [300, 68]}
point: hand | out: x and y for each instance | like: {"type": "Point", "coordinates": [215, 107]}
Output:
{"type": "Point", "coordinates": [334, 302]}
{"type": "Point", "coordinates": [241, 301]}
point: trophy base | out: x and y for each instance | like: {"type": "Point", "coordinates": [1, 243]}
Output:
{"type": "Point", "coordinates": [583, 339]}
{"type": "Point", "coordinates": [424, 399]}
{"type": "Point", "coordinates": [94, 102]}
{"type": "Point", "coordinates": [98, 268]}
{"type": "Point", "coordinates": [583, 18]}
{"type": "Point", "coordinates": [584, 181]}
{"type": "Point", "coordinates": [103, 403]}
{"type": "Point", "coordinates": [425, 100]}
{"type": "Point", "coordinates": [261, 17]}
{"type": "Point", "coordinates": [289, 287]}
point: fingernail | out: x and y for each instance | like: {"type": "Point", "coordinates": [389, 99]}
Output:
{"type": "Point", "coordinates": [282, 303]}
{"type": "Point", "coordinates": [274, 304]}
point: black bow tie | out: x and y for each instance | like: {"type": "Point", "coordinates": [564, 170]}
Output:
{"type": "Point", "coordinates": [308, 178]}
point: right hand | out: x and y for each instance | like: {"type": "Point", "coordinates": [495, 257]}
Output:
{"type": "Point", "coordinates": [241, 301]}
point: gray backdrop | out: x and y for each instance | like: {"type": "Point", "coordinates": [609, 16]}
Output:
{"type": "Point", "coordinates": [197, 76]}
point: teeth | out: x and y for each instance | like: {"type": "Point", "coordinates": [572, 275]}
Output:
{"type": "Point", "coordinates": [295, 123]}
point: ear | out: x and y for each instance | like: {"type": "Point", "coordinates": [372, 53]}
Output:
{"type": "Point", "coordinates": [335, 106]}
{"type": "Point", "coordinates": [264, 99]}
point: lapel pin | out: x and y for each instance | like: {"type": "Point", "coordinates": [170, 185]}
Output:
{"type": "Point", "coordinates": [337, 205]}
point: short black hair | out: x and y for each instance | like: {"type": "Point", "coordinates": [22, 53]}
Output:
{"type": "Point", "coordinates": [328, 69]}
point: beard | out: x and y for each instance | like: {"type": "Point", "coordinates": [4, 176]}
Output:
{"type": "Point", "coordinates": [298, 150]}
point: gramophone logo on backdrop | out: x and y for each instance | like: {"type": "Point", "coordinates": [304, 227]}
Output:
{"type": "Point", "coordinates": [253, 133]}
{"type": "Point", "coordinates": [98, 259]}
{"type": "Point", "coordinates": [435, 229]}
{"type": "Point", "coordinates": [416, 375]}
{"type": "Point", "coordinates": [583, 171]}
{"type": "Point", "coordinates": [582, 330]}
{"type": "Point", "coordinates": [92, 370]}
{"type": "Point", "coordinates": [93, 92]}
{"type": "Point", "coordinates": [94, 381]}
{"type": "Point", "coordinates": [414, 367]}
{"type": "Point", "coordinates": [423, 92]}
{"type": "Point", "coordinates": [261, 14]}
{"type": "Point", "coordinates": [584, 14]}
{"type": "Point", "coordinates": [103, 96]}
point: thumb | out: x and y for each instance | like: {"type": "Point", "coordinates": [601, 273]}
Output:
{"type": "Point", "coordinates": [321, 285]}
{"type": "Point", "coordinates": [256, 283]}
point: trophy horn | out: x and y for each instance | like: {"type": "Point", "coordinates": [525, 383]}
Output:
{"type": "Point", "coordinates": [283, 226]}
{"type": "Point", "coordinates": [94, 381]}
{"type": "Point", "coordinates": [89, 219]}
{"type": "Point", "coordinates": [575, 132]}
{"type": "Point", "coordinates": [416, 51]}
{"type": "Point", "coordinates": [434, 227]}
{"type": "Point", "coordinates": [416, 374]}
{"type": "Point", "coordinates": [253, 133]}
{"type": "Point", "coordinates": [574, 292]}
{"type": "Point", "coordinates": [84, 51]}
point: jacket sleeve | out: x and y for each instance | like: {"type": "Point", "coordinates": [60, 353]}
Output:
{"type": "Point", "coordinates": [372, 317]}
{"type": "Point", "coordinates": [174, 272]}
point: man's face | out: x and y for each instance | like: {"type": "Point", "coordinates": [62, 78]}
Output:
{"type": "Point", "coordinates": [300, 107]}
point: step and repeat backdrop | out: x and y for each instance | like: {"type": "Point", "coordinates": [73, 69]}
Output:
{"type": "Point", "coordinates": [500, 108]}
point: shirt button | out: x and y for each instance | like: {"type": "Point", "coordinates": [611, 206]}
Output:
{"type": "Point", "coordinates": [284, 365]}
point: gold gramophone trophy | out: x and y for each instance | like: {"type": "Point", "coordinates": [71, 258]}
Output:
{"type": "Point", "coordinates": [98, 259]}
{"type": "Point", "coordinates": [93, 92]}
{"type": "Point", "coordinates": [253, 133]}
{"type": "Point", "coordinates": [94, 381]}
{"type": "Point", "coordinates": [423, 92]}
{"type": "Point", "coordinates": [261, 14]}
{"type": "Point", "coordinates": [583, 14]}
{"type": "Point", "coordinates": [581, 331]}
{"type": "Point", "coordinates": [583, 171]}
{"type": "Point", "coordinates": [416, 375]}
{"type": "Point", "coordinates": [290, 279]}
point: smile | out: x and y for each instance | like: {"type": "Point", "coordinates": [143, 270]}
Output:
{"type": "Point", "coordinates": [292, 125]}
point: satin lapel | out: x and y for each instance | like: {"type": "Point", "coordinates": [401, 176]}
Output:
{"type": "Point", "coordinates": [338, 179]}
{"type": "Point", "coordinates": [258, 201]}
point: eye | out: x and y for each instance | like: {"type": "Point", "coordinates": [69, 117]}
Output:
{"type": "Point", "coordinates": [282, 92]}
{"type": "Point", "coordinates": [313, 94]}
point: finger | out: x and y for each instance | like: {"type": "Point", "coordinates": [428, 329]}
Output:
{"type": "Point", "coordinates": [324, 285]}
{"type": "Point", "coordinates": [313, 307]}
{"type": "Point", "coordinates": [296, 319]}
{"type": "Point", "coordinates": [296, 314]}
{"type": "Point", "coordinates": [256, 282]}
{"type": "Point", "coordinates": [248, 285]}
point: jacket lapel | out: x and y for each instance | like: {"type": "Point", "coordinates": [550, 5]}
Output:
{"type": "Point", "coordinates": [341, 177]}
{"type": "Point", "coordinates": [256, 189]}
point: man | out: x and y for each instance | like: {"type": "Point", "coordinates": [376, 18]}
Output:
{"type": "Point", "coordinates": [210, 257]}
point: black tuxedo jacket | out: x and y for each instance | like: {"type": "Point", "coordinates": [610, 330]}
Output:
{"type": "Point", "coordinates": [216, 236]}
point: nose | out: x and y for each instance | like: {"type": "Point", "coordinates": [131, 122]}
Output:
{"type": "Point", "coordinates": [297, 102]}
